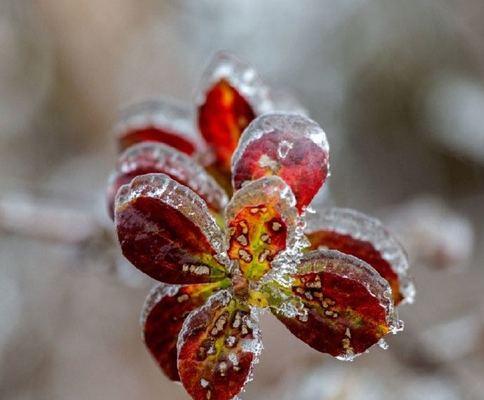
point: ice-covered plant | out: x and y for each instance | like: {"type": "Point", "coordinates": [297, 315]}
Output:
{"type": "Point", "coordinates": [333, 277]}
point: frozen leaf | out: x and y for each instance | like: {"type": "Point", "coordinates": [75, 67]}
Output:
{"type": "Point", "coordinates": [217, 348]}
{"type": "Point", "coordinates": [263, 227]}
{"type": "Point", "coordinates": [222, 119]}
{"type": "Point", "coordinates": [348, 306]}
{"type": "Point", "coordinates": [166, 230]}
{"type": "Point", "coordinates": [230, 96]}
{"type": "Point", "coordinates": [364, 237]}
{"type": "Point", "coordinates": [164, 312]}
{"type": "Point", "coordinates": [149, 157]}
{"type": "Point", "coordinates": [290, 146]}
{"type": "Point", "coordinates": [159, 121]}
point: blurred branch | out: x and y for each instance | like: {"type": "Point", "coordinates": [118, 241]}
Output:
{"type": "Point", "coordinates": [47, 220]}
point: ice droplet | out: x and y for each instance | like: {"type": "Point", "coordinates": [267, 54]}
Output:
{"type": "Point", "coordinates": [283, 148]}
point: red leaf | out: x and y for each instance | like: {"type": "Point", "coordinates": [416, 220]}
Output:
{"type": "Point", "coordinates": [154, 134]}
{"type": "Point", "coordinates": [261, 220]}
{"type": "Point", "coordinates": [346, 304]}
{"type": "Point", "coordinates": [166, 231]}
{"type": "Point", "coordinates": [289, 146]}
{"type": "Point", "coordinates": [145, 158]}
{"type": "Point", "coordinates": [158, 121]}
{"type": "Point", "coordinates": [354, 233]}
{"type": "Point", "coordinates": [217, 349]}
{"type": "Point", "coordinates": [222, 118]}
{"type": "Point", "coordinates": [230, 96]}
{"type": "Point", "coordinates": [165, 310]}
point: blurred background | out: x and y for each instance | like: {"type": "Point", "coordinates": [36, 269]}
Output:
{"type": "Point", "coordinates": [398, 87]}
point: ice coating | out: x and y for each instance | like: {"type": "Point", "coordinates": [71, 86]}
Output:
{"type": "Point", "coordinates": [281, 121]}
{"type": "Point", "coordinates": [157, 293]}
{"type": "Point", "coordinates": [217, 348]}
{"type": "Point", "coordinates": [282, 301]}
{"type": "Point", "coordinates": [158, 345]}
{"type": "Point", "coordinates": [224, 110]}
{"type": "Point", "coordinates": [166, 230]}
{"type": "Point", "coordinates": [347, 266]}
{"type": "Point", "coordinates": [348, 305]}
{"type": "Point", "coordinates": [363, 228]}
{"type": "Point", "coordinates": [221, 120]}
{"type": "Point", "coordinates": [244, 78]}
{"type": "Point", "coordinates": [158, 120]}
{"type": "Point", "coordinates": [185, 200]}
{"type": "Point", "coordinates": [272, 190]}
{"type": "Point", "coordinates": [152, 157]}
{"type": "Point", "coordinates": [290, 146]}
{"type": "Point", "coordinates": [277, 170]}
{"type": "Point", "coordinates": [162, 318]}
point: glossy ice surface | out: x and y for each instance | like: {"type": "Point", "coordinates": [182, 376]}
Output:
{"type": "Point", "coordinates": [158, 120]}
{"type": "Point", "coordinates": [165, 229]}
{"type": "Point", "coordinates": [286, 145]}
{"type": "Point", "coordinates": [217, 348]}
{"type": "Point", "coordinates": [221, 262]}
{"type": "Point", "coordinates": [347, 304]}
{"type": "Point", "coordinates": [364, 237]}
{"type": "Point", "coordinates": [151, 157]}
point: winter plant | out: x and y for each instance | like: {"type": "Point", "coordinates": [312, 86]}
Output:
{"type": "Point", "coordinates": [333, 277]}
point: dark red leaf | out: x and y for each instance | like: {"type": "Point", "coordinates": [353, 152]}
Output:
{"type": "Point", "coordinates": [166, 231]}
{"type": "Point", "coordinates": [154, 134]}
{"type": "Point", "coordinates": [217, 349]}
{"type": "Point", "coordinates": [364, 237]}
{"type": "Point", "coordinates": [347, 305]}
{"type": "Point", "coordinates": [161, 121]}
{"type": "Point", "coordinates": [165, 310]}
{"type": "Point", "coordinates": [149, 157]}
